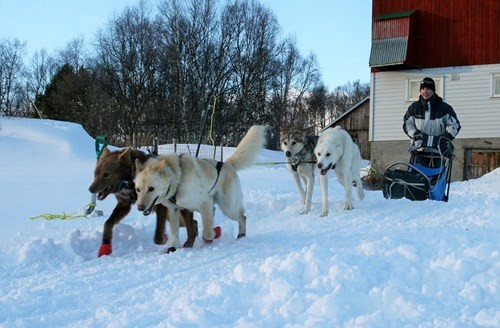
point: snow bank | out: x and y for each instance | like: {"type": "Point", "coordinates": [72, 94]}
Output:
{"type": "Point", "coordinates": [387, 263]}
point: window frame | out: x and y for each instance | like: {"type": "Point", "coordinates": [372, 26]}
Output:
{"type": "Point", "coordinates": [495, 85]}
{"type": "Point", "coordinates": [413, 88]}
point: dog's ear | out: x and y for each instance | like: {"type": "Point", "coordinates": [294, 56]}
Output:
{"type": "Point", "coordinates": [302, 134]}
{"type": "Point", "coordinates": [139, 166]}
{"type": "Point", "coordinates": [162, 166]}
{"type": "Point", "coordinates": [125, 156]}
{"type": "Point", "coordinates": [105, 153]}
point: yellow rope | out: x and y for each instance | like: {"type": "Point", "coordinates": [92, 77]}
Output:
{"type": "Point", "coordinates": [62, 216]}
{"type": "Point", "coordinates": [270, 163]}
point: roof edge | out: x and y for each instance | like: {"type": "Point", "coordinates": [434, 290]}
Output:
{"type": "Point", "coordinates": [395, 15]}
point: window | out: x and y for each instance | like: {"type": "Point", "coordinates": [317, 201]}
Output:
{"type": "Point", "coordinates": [495, 85]}
{"type": "Point", "coordinates": [413, 88]}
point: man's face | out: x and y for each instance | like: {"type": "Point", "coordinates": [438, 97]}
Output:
{"type": "Point", "coordinates": [426, 93]}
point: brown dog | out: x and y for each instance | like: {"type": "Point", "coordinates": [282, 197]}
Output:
{"type": "Point", "coordinates": [114, 173]}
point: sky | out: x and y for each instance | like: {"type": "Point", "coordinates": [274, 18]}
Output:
{"type": "Point", "coordinates": [338, 32]}
{"type": "Point", "coordinates": [385, 263]}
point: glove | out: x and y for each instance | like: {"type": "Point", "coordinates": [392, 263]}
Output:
{"type": "Point", "coordinates": [419, 135]}
{"type": "Point", "coordinates": [447, 135]}
{"type": "Point", "coordinates": [445, 146]}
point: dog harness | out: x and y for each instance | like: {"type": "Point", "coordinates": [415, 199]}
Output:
{"type": "Point", "coordinates": [218, 167]}
{"type": "Point", "coordinates": [300, 156]}
{"type": "Point", "coordinates": [173, 199]}
{"type": "Point", "coordinates": [299, 160]}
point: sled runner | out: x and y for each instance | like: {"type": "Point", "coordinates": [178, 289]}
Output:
{"type": "Point", "coordinates": [426, 176]}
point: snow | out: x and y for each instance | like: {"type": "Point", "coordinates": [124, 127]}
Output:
{"type": "Point", "coordinates": [386, 263]}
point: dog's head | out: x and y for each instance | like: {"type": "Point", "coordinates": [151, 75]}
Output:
{"type": "Point", "coordinates": [153, 181]}
{"type": "Point", "coordinates": [328, 151]}
{"type": "Point", "coordinates": [292, 142]}
{"type": "Point", "coordinates": [111, 169]}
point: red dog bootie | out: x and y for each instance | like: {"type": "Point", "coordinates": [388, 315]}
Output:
{"type": "Point", "coordinates": [105, 249]}
{"type": "Point", "coordinates": [218, 234]}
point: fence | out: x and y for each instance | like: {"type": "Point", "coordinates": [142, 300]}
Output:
{"type": "Point", "coordinates": [205, 151]}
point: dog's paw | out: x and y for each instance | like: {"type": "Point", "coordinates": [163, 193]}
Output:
{"type": "Point", "coordinates": [323, 214]}
{"type": "Point", "coordinates": [188, 244]}
{"type": "Point", "coordinates": [170, 250]}
{"type": "Point", "coordinates": [304, 211]}
{"type": "Point", "coordinates": [348, 207]}
{"type": "Point", "coordinates": [217, 235]}
{"type": "Point", "coordinates": [162, 240]}
{"type": "Point", "coordinates": [105, 249]}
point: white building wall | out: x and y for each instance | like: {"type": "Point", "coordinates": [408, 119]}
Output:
{"type": "Point", "coordinates": [467, 89]}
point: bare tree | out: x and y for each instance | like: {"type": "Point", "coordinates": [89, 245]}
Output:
{"type": "Point", "coordinates": [302, 76]}
{"type": "Point", "coordinates": [11, 73]}
{"type": "Point", "coordinates": [297, 78]}
{"type": "Point", "coordinates": [253, 30]}
{"type": "Point", "coordinates": [74, 54]}
{"type": "Point", "coordinates": [317, 103]}
{"type": "Point", "coordinates": [39, 73]}
{"type": "Point", "coordinates": [159, 76]}
{"type": "Point", "coordinates": [127, 60]}
{"type": "Point", "coordinates": [344, 97]}
{"type": "Point", "coordinates": [191, 62]}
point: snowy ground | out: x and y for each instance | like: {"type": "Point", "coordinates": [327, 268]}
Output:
{"type": "Point", "coordinates": [387, 263]}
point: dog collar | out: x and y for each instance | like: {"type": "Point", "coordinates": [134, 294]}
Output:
{"type": "Point", "coordinates": [124, 184]}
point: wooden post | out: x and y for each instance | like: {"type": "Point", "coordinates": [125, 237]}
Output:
{"type": "Point", "coordinates": [155, 146]}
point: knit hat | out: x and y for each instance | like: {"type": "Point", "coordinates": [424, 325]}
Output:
{"type": "Point", "coordinates": [428, 83]}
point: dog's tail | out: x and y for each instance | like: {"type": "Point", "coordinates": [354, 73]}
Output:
{"type": "Point", "coordinates": [248, 149]}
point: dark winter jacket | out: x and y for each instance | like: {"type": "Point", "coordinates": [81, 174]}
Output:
{"type": "Point", "coordinates": [437, 120]}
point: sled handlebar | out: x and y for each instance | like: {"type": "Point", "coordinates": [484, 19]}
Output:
{"type": "Point", "coordinates": [100, 143]}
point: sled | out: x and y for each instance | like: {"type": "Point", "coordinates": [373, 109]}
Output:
{"type": "Point", "coordinates": [426, 176]}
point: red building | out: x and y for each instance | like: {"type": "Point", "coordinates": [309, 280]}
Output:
{"type": "Point", "coordinates": [457, 43]}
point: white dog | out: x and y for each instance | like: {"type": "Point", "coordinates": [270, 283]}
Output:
{"type": "Point", "coordinates": [336, 150]}
{"type": "Point", "coordinates": [195, 184]}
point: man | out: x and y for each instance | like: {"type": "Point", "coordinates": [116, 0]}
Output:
{"type": "Point", "coordinates": [430, 119]}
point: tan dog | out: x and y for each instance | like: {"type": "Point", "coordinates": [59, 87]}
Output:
{"type": "Point", "coordinates": [168, 180]}
{"type": "Point", "coordinates": [301, 162]}
{"type": "Point", "coordinates": [114, 173]}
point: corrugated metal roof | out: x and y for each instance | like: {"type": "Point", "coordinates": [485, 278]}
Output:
{"type": "Point", "coordinates": [391, 51]}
